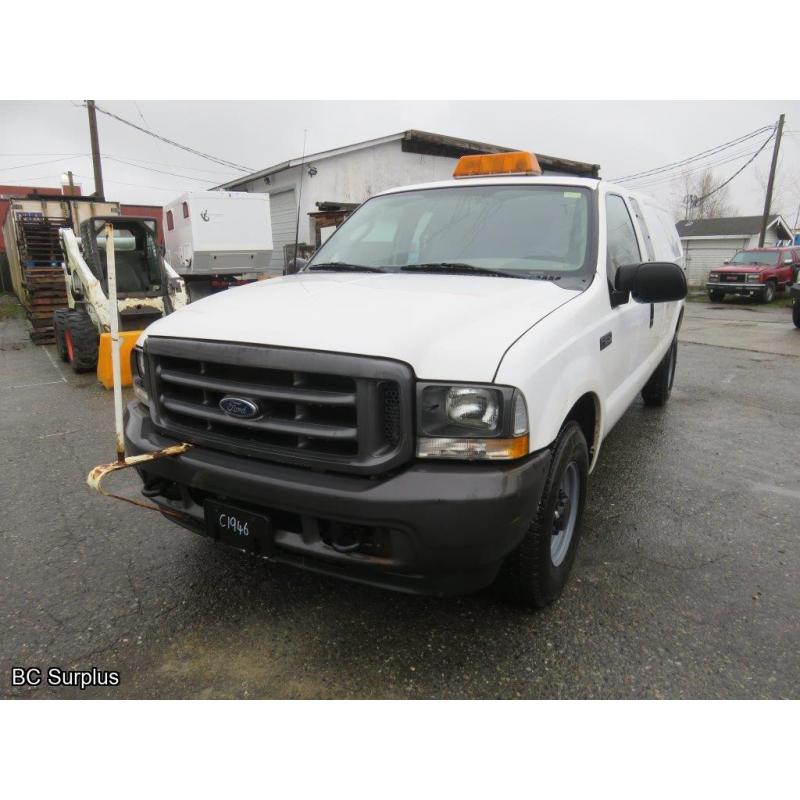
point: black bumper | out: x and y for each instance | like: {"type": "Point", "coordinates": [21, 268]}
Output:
{"type": "Point", "coordinates": [432, 528]}
{"type": "Point", "coordinates": [794, 291]}
{"type": "Point", "coordinates": [747, 289]}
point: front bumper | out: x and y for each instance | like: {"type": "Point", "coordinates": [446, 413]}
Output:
{"type": "Point", "coordinates": [431, 528]}
{"type": "Point", "coordinates": [794, 291]}
{"type": "Point", "coordinates": [748, 289]}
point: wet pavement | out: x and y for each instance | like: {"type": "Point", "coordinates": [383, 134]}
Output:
{"type": "Point", "coordinates": [685, 584]}
{"type": "Point", "coordinates": [742, 324]}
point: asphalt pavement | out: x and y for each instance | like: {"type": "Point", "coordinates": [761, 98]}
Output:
{"type": "Point", "coordinates": [685, 585]}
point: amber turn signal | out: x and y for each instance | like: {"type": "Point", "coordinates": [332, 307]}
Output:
{"type": "Point", "coordinates": [473, 449]}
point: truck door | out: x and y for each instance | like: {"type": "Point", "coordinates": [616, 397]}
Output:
{"type": "Point", "coordinates": [629, 322]}
{"type": "Point", "coordinates": [786, 275]}
{"type": "Point", "coordinates": [658, 311]}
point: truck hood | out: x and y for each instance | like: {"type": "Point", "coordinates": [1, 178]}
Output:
{"type": "Point", "coordinates": [737, 268]}
{"type": "Point", "coordinates": [447, 327]}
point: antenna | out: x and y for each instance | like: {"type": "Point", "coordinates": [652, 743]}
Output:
{"type": "Point", "coordinates": [299, 197]}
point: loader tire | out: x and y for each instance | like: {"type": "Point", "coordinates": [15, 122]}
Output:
{"type": "Point", "coordinates": [81, 341]}
{"type": "Point", "coordinates": [59, 330]}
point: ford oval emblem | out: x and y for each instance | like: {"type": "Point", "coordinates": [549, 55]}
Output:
{"type": "Point", "coordinates": [239, 407]}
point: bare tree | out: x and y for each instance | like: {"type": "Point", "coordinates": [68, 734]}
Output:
{"type": "Point", "coordinates": [696, 196]}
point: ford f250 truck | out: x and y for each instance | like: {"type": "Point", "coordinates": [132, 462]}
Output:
{"type": "Point", "coordinates": [755, 273]}
{"type": "Point", "coordinates": [421, 405]}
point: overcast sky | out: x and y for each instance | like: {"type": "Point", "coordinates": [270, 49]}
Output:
{"type": "Point", "coordinates": [623, 137]}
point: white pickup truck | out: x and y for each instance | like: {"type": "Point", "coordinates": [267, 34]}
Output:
{"type": "Point", "coordinates": [420, 407]}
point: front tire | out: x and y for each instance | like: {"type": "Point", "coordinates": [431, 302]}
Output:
{"type": "Point", "coordinates": [657, 390]}
{"type": "Point", "coordinates": [81, 342]}
{"type": "Point", "coordinates": [60, 317]}
{"type": "Point", "coordinates": [535, 574]}
{"type": "Point", "coordinates": [769, 292]}
{"type": "Point", "coordinates": [796, 313]}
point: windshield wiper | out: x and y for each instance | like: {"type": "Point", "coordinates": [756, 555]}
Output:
{"type": "Point", "coordinates": [457, 268]}
{"type": "Point", "coordinates": [544, 276]}
{"type": "Point", "coordinates": [342, 266]}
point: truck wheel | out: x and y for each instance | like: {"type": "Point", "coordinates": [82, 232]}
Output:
{"type": "Point", "coordinates": [657, 390]}
{"type": "Point", "coordinates": [769, 292]}
{"type": "Point", "coordinates": [796, 313]}
{"type": "Point", "coordinates": [715, 296]}
{"type": "Point", "coordinates": [536, 572]}
{"type": "Point", "coordinates": [81, 341]}
{"type": "Point", "coordinates": [59, 329]}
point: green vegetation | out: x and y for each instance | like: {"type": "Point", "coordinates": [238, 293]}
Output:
{"type": "Point", "coordinates": [10, 307]}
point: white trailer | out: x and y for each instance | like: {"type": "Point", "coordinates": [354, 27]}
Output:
{"type": "Point", "coordinates": [215, 239]}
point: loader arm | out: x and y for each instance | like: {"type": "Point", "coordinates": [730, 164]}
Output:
{"type": "Point", "coordinates": [96, 303]}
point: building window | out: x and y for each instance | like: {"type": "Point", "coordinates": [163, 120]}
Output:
{"type": "Point", "coordinates": [170, 221]}
{"type": "Point", "coordinates": [185, 210]}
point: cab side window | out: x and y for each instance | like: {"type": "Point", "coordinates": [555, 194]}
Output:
{"type": "Point", "coordinates": [648, 240]}
{"type": "Point", "coordinates": [622, 247]}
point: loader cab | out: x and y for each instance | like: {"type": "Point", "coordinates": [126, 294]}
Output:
{"type": "Point", "coordinates": [138, 264]}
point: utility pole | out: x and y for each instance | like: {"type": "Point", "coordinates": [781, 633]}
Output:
{"type": "Point", "coordinates": [771, 182]}
{"type": "Point", "coordinates": [98, 169]}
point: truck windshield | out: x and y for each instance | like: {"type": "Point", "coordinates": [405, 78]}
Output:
{"type": "Point", "coordinates": [756, 257]}
{"type": "Point", "coordinates": [524, 229]}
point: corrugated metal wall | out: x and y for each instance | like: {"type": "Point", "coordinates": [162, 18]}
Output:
{"type": "Point", "coordinates": [283, 215]}
{"type": "Point", "coordinates": [703, 255]}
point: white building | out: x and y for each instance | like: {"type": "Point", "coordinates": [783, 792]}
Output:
{"type": "Point", "coordinates": [709, 243]}
{"type": "Point", "coordinates": [330, 184]}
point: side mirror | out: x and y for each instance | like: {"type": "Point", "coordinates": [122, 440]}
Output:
{"type": "Point", "coordinates": [651, 282]}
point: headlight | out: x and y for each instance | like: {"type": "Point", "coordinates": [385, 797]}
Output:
{"type": "Point", "coordinates": [753, 277]}
{"type": "Point", "coordinates": [139, 375]}
{"type": "Point", "coordinates": [471, 422]}
{"type": "Point", "coordinates": [713, 276]}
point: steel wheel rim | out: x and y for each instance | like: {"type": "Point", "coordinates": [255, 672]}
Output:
{"type": "Point", "coordinates": [566, 513]}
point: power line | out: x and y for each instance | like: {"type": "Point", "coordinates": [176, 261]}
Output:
{"type": "Point", "coordinates": [657, 181]}
{"type": "Point", "coordinates": [39, 163]}
{"type": "Point", "coordinates": [744, 166]}
{"type": "Point", "coordinates": [138, 185]}
{"type": "Point", "coordinates": [172, 164]}
{"type": "Point", "coordinates": [161, 171]}
{"type": "Point", "coordinates": [221, 161]}
{"type": "Point", "coordinates": [704, 154]}
{"type": "Point", "coordinates": [132, 158]}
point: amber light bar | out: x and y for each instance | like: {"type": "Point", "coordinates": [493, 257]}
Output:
{"type": "Point", "coordinates": [516, 163]}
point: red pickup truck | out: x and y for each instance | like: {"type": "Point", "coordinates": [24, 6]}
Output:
{"type": "Point", "coordinates": [755, 273]}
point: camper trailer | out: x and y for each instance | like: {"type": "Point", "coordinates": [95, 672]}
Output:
{"type": "Point", "coordinates": [218, 239]}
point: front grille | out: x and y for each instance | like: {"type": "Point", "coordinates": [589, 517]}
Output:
{"type": "Point", "coordinates": [313, 409]}
{"type": "Point", "coordinates": [727, 277]}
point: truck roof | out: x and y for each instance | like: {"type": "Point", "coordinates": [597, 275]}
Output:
{"type": "Point", "coordinates": [546, 180]}
{"type": "Point", "coordinates": [536, 180]}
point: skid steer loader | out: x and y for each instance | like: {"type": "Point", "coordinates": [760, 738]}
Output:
{"type": "Point", "coordinates": [147, 289]}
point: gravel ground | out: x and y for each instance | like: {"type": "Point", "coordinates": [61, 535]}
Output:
{"type": "Point", "coordinates": [685, 584]}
